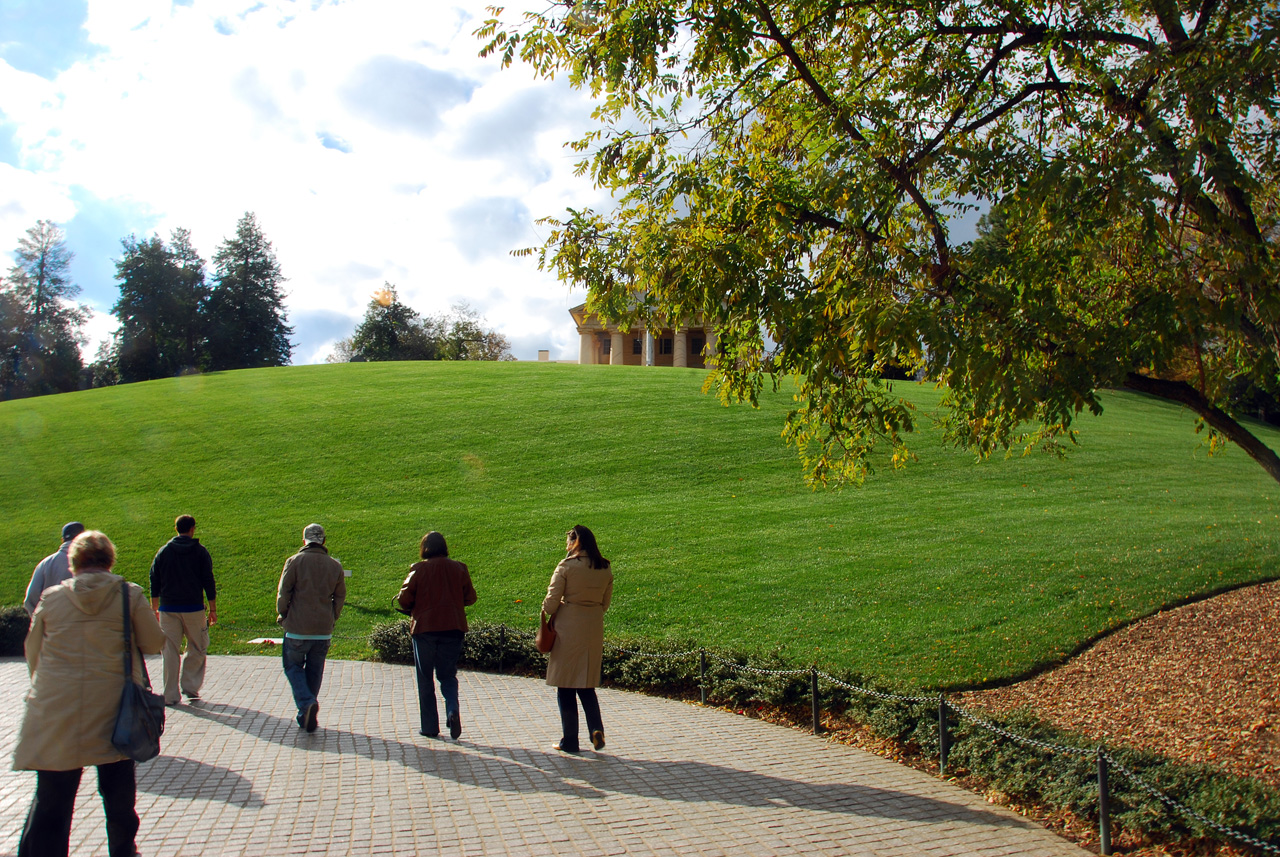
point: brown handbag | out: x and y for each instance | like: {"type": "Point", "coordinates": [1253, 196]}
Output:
{"type": "Point", "coordinates": [546, 636]}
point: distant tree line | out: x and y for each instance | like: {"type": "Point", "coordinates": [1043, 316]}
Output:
{"type": "Point", "coordinates": [391, 330]}
{"type": "Point", "coordinates": [172, 321]}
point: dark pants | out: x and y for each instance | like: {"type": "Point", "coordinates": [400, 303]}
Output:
{"type": "Point", "coordinates": [438, 654]}
{"type": "Point", "coordinates": [304, 668]}
{"type": "Point", "coordinates": [569, 713]}
{"type": "Point", "coordinates": [48, 828]}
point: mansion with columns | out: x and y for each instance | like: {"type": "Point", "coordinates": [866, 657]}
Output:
{"type": "Point", "coordinates": [686, 345]}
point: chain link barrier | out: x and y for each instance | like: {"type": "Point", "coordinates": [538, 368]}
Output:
{"type": "Point", "coordinates": [663, 656]}
{"type": "Point", "coordinates": [756, 670]}
{"type": "Point", "coordinates": [866, 691]}
{"type": "Point", "coordinates": [1020, 739]}
{"type": "Point", "coordinates": [1188, 811]}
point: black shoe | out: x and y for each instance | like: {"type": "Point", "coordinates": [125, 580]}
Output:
{"type": "Point", "coordinates": [193, 694]}
{"type": "Point", "coordinates": [566, 749]}
{"type": "Point", "coordinates": [311, 717]}
{"type": "Point", "coordinates": [425, 734]}
{"type": "Point", "coordinates": [455, 726]}
{"type": "Point", "coordinates": [597, 739]}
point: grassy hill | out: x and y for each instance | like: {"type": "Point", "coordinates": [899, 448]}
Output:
{"type": "Point", "coordinates": [948, 574]}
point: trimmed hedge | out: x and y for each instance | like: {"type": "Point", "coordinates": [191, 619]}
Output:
{"type": "Point", "coordinates": [13, 631]}
{"type": "Point", "coordinates": [1063, 781]}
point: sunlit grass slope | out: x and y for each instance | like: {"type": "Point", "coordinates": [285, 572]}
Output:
{"type": "Point", "coordinates": [950, 573]}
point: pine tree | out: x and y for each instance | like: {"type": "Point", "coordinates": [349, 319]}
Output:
{"type": "Point", "coordinates": [41, 326]}
{"type": "Point", "coordinates": [393, 331]}
{"type": "Point", "coordinates": [245, 311]}
{"type": "Point", "coordinates": [162, 293]}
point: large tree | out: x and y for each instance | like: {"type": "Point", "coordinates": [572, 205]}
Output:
{"type": "Point", "coordinates": [247, 321]}
{"type": "Point", "coordinates": [793, 169]}
{"type": "Point", "coordinates": [40, 330]}
{"type": "Point", "coordinates": [392, 331]}
{"type": "Point", "coordinates": [161, 308]}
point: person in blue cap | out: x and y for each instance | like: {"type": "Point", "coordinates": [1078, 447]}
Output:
{"type": "Point", "coordinates": [53, 569]}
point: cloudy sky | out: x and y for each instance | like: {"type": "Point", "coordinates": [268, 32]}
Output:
{"type": "Point", "coordinates": [369, 138]}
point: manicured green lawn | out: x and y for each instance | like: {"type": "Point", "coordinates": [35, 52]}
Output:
{"type": "Point", "coordinates": [950, 573]}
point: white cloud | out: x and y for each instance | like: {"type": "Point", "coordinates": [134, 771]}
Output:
{"type": "Point", "coordinates": [370, 139]}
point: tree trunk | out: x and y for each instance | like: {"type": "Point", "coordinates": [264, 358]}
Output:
{"type": "Point", "coordinates": [1219, 420]}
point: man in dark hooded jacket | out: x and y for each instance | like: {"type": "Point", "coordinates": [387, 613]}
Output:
{"type": "Point", "coordinates": [181, 580]}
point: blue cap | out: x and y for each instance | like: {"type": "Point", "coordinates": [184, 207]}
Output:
{"type": "Point", "coordinates": [71, 530]}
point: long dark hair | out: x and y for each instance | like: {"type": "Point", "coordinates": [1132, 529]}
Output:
{"type": "Point", "coordinates": [586, 540]}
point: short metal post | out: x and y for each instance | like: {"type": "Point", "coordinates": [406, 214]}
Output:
{"type": "Point", "coordinates": [813, 695]}
{"type": "Point", "coordinates": [502, 645]}
{"type": "Point", "coordinates": [702, 674]}
{"type": "Point", "coordinates": [1104, 805]}
{"type": "Point", "coordinates": [944, 736]}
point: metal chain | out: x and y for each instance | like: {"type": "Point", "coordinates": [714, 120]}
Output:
{"type": "Point", "coordinates": [1021, 739]}
{"type": "Point", "coordinates": [1186, 810]}
{"type": "Point", "coordinates": [755, 670]}
{"type": "Point", "coordinates": [866, 691]}
{"type": "Point", "coordinates": [660, 655]}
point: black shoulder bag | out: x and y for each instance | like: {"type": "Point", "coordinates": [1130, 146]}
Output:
{"type": "Point", "coordinates": [140, 722]}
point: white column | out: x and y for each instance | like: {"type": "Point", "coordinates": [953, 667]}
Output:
{"type": "Point", "coordinates": [586, 349]}
{"type": "Point", "coordinates": [680, 353]}
{"type": "Point", "coordinates": [615, 349]}
{"type": "Point", "coordinates": [712, 348]}
{"type": "Point", "coordinates": [648, 348]}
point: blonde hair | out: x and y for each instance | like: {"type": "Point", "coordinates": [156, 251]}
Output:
{"type": "Point", "coordinates": [91, 549]}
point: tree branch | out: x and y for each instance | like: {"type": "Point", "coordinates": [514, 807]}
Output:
{"type": "Point", "coordinates": [901, 178]}
{"type": "Point", "coordinates": [1217, 419]}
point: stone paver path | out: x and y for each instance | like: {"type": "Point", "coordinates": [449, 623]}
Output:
{"type": "Point", "coordinates": [237, 777]}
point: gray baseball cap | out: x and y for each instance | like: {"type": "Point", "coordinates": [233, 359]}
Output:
{"type": "Point", "coordinates": [313, 534]}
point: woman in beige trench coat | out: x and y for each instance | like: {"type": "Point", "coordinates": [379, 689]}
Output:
{"type": "Point", "coordinates": [75, 653]}
{"type": "Point", "coordinates": [580, 591]}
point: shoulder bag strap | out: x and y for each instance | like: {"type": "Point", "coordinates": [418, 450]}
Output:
{"type": "Point", "coordinates": [128, 637]}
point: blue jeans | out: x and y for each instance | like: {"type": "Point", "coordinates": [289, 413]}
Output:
{"type": "Point", "coordinates": [436, 653]}
{"type": "Point", "coordinates": [304, 667]}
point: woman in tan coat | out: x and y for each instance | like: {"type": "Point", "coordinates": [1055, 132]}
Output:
{"type": "Point", "coordinates": [75, 654]}
{"type": "Point", "coordinates": [580, 591]}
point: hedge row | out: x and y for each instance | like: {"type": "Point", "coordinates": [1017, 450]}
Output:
{"type": "Point", "coordinates": [1058, 780]}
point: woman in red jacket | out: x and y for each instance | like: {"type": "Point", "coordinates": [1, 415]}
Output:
{"type": "Point", "coordinates": [434, 595]}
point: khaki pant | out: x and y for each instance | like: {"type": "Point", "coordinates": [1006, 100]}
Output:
{"type": "Point", "coordinates": [195, 628]}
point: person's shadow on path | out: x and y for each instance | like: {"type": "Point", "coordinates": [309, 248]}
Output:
{"type": "Point", "coordinates": [592, 776]}
{"type": "Point", "coordinates": [179, 777]}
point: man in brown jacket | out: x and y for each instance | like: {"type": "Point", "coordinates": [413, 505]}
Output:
{"type": "Point", "coordinates": [309, 602]}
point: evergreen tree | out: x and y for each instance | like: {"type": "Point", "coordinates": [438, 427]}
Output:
{"type": "Point", "coordinates": [245, 311]}
{"type": "Point", "coordinates": [162, 295]}
{"type": "Point", "coordinates": [40, 330]}
{"type": "Point", "coordinates": [190, 298]}
{"type": "Point", "coordinates": [393, 331]}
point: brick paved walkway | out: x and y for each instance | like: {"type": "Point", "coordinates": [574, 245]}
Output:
{"type": "Point", "coordinates": [237, 776]}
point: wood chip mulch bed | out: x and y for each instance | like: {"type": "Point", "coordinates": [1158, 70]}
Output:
{"type": "Point", "coordinates": [1198, 683]}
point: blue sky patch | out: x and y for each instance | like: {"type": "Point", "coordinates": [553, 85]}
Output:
{"type": "Point", "coordinates": [329, 141]}
{"type": "Point", "coordinates": [94, 235]}
{"type": "Point", "coordinates": [44, 37]}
